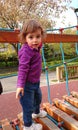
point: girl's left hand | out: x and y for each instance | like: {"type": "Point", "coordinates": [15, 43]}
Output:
{"type": "Point", "coordinates": [18, 92]}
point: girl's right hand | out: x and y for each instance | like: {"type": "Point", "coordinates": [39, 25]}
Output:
{"type": "Point", "coordinates": [18, 91]}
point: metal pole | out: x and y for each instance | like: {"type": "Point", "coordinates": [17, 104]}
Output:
{"type": "Point", "coordinates": [76, 12]}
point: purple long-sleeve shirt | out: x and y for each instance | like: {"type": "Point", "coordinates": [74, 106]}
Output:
{"type": "Point", "coordinates": [29, 65]}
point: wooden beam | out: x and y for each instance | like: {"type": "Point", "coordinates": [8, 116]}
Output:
{"type": "Point", "coordinates": [71, 100]}
{"type": "Point", "coordinates": [12, 37]}
{"type": "Point", "coordinates": [21, 124]}
{"type": "Point", "coordinates": [6, 125]}
{"type": "Point", "coordinates": [68, 108]}
{"type": "Point", "coordinates": [68, 121]}
{"type": "Point", "coordinates": [74, 94]}
{"type": "Point", "coordinates": [47, 124]}
{"type": "Point", "coordinates": [57, 38]}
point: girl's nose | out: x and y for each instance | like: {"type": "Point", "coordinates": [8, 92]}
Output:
{"type": "Point", "coordinates": [35, 40]}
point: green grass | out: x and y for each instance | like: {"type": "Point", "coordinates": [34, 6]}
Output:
{"type": "Point", "coordinates": [8, 71]}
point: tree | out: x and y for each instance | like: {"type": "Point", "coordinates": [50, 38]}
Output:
{"type": "Point", "coordinates": [48, 52]}
{"type": "Point", "coordinates": [15, 12]}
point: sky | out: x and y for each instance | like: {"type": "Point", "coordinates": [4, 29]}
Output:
{"type": "Point", "coordinates": [70, 16]}
{"type": "Point", "coordinates": [74, 3]}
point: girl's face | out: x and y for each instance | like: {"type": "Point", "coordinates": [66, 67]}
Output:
{"type": "Point", "coordinates": [34, 39]}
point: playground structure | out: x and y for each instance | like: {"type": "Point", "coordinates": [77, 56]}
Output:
{"type": "Point", "coordinates": [62, 114]}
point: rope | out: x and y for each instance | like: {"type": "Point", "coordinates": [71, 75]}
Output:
{"type": "Point", "coordinates": [6, 29]}
{"type": "Point", "coordinates": [77, 44]}
{"type": "Point", "coordinates": [56, 29]}
{"type": "Point", "coordinates": [46, 72]}
{"type": "Point", "coordinates": [62, 28]}
{"type": "Point", "coordinates": [65, 67]}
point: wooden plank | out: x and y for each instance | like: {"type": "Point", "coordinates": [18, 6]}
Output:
{"type": "Point", "coordinates": [71, 100]}
{"type": "Point", "coordinates": [69, 122]}
{"type": "Point", "coordinates": [15, 123]}
{"type": "Point", "coordinates": [6, 125]}
{"type": "Point", "coordinates": [12, 37]}
{"type": "Point", "coordinates": [74, 94]}
{"type": "Point", "coordinates": [0, 125]}
{"type": "Point", "coordinates": [47, 124]}
{"type": "Point", "coordinates": [20, 117]}
{"type": "Point", "coordinates": [69, 109]}
{"type": "Point", "coordinates": [57, 38]}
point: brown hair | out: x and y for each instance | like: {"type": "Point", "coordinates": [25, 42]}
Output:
{"type": "Point", "coordinates": [30, 27]}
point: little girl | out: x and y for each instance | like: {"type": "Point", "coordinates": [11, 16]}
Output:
{"type": "Point", "coordinates": [29, 71]}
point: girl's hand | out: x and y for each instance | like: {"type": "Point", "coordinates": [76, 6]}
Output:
{"type": "Point", "coordinates": [18, 91]}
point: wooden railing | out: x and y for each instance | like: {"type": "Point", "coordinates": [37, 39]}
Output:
{"type": "Point", "coordinates": [12, 37]}
{"type": "Point", "coordinates": [72, 72]}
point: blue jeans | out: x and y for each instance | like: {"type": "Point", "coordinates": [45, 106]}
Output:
{"type": "Point", "coordinates": [30, 101]}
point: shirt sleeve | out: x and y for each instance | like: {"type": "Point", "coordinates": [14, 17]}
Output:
{"type": "Point", "coordinates": [24, 64]}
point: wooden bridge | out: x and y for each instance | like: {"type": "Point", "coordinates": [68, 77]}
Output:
{"type": "Point", "coordinates": [62, 114]}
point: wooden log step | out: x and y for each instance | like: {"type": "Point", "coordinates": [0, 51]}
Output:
{"type": "Point", "coordinates": [74, 94]}
{"type": "Point", "coordinates": [0, 125]}
{"type": "Point", "coordinates": [69, 109]}
{"type": "Point", "coordinates": [47, 124]}
{"type": "Point", "coordinates": [21, 121]}
{"type": "Point", "coordinates": [71, 100]}
{"type": "Point", "coordinates": [57, 114]}
{"type": "Point", "coordinates": [6, 125]}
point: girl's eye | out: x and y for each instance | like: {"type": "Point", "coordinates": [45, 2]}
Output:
{"type": "Point", "coordinates": [38, 36]}
{"type": "Point", "coordinates": [30, 37]}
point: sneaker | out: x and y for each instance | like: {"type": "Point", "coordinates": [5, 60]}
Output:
{"type": "Point", "coordinates": [41, 114]}
{"type": "Point", "coordinates": [33, 127]}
